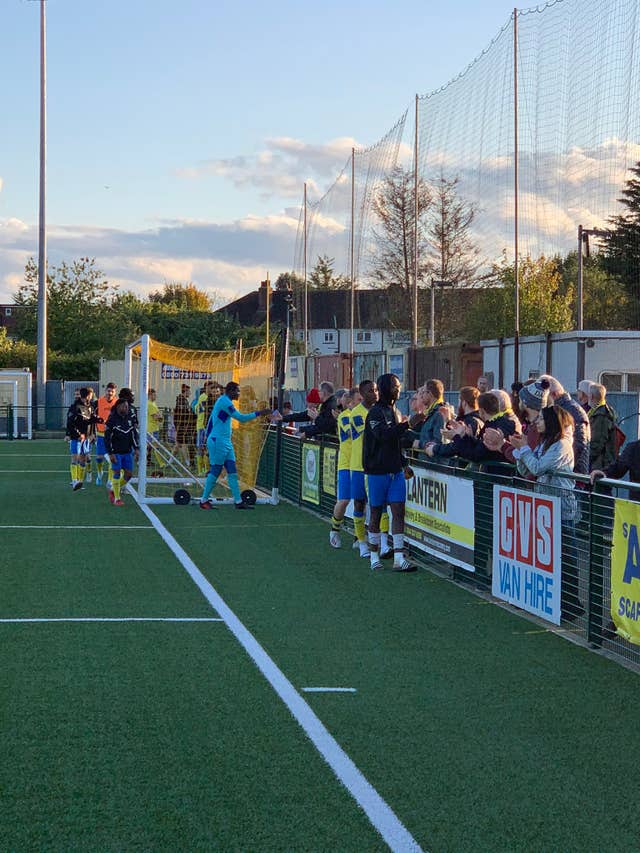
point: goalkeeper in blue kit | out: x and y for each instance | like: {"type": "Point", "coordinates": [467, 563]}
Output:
{"type": "Point", "coordinates": [219, 445]}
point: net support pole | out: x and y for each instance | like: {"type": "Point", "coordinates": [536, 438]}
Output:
{"type": "Point", "coordinates": [143, 394]}
{"type": "Point", "coordinates": [416, 213]}
{"type": "Point", "coordinates": [306, 292]}
{"type": "Point", "coordinates": [580, 294]}
{"type": "Point", "coordinates": [353, 265]}
{"type": "Point", "coordinates": [516, 269]}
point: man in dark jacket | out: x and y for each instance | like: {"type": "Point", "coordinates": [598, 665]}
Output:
{"type": "Point", "coordinates": [627, 463]}
{"type": "Point", "coordinates": [325, 422]}
{"type": "Point", "coordinates": [385, 465]}
{"type": "Point", "coordinates": [603, 429]}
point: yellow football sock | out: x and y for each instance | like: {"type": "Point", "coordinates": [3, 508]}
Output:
{"type": "Point", "coordinates": [72, 468]}
{"type": "Point", "coordinates": [117, 484]}
{"type": "Point", "coordinates": [358, 524]}
{"type": "Point", "coordinates": [384, 522]}
{"type": "Point", "coordinates": [100, 468]}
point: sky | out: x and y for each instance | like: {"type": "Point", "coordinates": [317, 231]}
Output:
{"type": "Point", "coordinates": [180, 134]}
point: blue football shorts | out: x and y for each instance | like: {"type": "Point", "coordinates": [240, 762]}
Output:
{"type": "Point", "coordinates": [387, 489]}
{"type": "Point", "coordinates": [101, 449]}
{"type": "Point", "coordinates": [344, 485]}
{"type": "Point", "coordinates": [80, 448]}
{"type": "Point", "coordinates": [123, 461]}
{"type": "Point", "coordinates": [358, 487]}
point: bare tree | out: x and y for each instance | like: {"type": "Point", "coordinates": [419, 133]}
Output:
{"type": "Point", "coordinates": [392, 260]}
{"type": "Point", "coordinates": [452, 255]}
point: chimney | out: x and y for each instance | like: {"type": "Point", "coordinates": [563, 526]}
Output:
{"type": "Point", "coordinates": [265, 288]}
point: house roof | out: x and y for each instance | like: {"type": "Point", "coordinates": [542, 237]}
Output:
{"type": "Point", "coordinates": [328, 309]}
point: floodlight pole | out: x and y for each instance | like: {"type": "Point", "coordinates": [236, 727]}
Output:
{"type": "Point", "coordinates": [41, 386]}
{"type": "Point", "coordinates": [353, 266]}
{"type": "Point", "coordinates": [306, 288]}
{"type": "Point", "coordinates": [516, 270]}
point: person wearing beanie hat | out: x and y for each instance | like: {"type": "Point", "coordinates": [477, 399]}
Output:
{"type": "Point", "coordinates": [535, 395]}
{"type": "Point", "coordinates": [313, 397]}
{"type": "Point", "coordinates": [307, 415]}
{"type": "Point", "coordinates": [581, 426]}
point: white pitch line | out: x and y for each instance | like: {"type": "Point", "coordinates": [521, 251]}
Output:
{"type": "Point", "coordinates": [380, 814]}
{"type": "Point", "coordinates": [117, 619]}
{"type": "Point", "coordinates": [74, 527]}
{"type": "Point", "coordinates": [328, 689]}
{"type": "Point", "coordinates": [59, 471]}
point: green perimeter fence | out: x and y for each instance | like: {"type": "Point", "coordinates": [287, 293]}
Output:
{"type": "Point", "coordinates": [498, 533]}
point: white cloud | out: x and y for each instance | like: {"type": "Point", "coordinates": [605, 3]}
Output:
{"type": "Point", "coordinates": [229, 258]}
{"type": "Point", "coordinates": [281, 169]}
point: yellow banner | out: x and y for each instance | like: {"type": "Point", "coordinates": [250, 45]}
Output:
{"type": "Point", "coordinates": [625, 570]}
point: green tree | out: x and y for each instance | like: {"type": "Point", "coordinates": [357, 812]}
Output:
{"type": "Point", "coordinates": [607, 303]}
{"type": "Point", "coordinates": [79, 301]}
{"type": "Point", "coordinates": [621, 242]}
{"type": "Point", "coordinates": [186, 297]}
{"type": "Point", "coordinates": [545, 301]}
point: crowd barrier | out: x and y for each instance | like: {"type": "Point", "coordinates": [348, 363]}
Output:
{"type": "Point", "coordinates": [503, 535]}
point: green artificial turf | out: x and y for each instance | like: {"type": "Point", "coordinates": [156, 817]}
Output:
{"type": "Point", "coordinates": [482, 731]}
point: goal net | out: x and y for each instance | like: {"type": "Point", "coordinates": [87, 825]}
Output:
{"type": "Point", "coordinates": [175, 390]}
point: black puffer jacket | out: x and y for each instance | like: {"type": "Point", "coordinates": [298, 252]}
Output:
{"type": "Point", "coordinates": [382, 451]}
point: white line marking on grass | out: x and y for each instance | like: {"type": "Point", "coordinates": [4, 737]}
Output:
{"type": "Point", "coordinates": [117, 619]}
{"type": "Point", "coordinates": [379, 813]}
{"type": "Point", "coordinates": [74, 527]}
{"type": "Point", "coordinates": [60, 472]}
{"type": "Point", "coordinates": [328, 689]}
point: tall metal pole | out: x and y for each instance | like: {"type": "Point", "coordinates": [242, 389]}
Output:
{"type": "Point", "coordinates": [353, 265]}
{"type": "Point", "coordinates": [432, 332]}
{"type": "Point", "coordinates": [516, 336]}
{"type": "Point", "coordinates": [580, 323]}
{"type": "Point", "coordinates": [268, 289]}
{"type": "Point", "coordinates": [306, 293]}
{"type": "Point", "coordinates": [416, 212]}
{"type": "Point", "coordinates": [42, 233]}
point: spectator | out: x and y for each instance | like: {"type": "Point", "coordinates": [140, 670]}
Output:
{"type": "Point", "coordinates": [307, 415]}
{"type": "Point", "coordinates": [584, 387]}
{"type": "Point", "coordinates": [550, 463]}
{"type": "Point", "coordinates": [516, 387]}
{"type": "Point", "coordinates": [468, 413]}
{"type": "Point", "coordinates": [431, 395]}
{"type": "Point", "coordinates": [505, 409]}
{"type": "Point", "coordinates": [185, 421]}
{"type": "Point", "coordinates": [473, 449]}
{"type": "Point", "coordinates": [603, 429]}
{"type": "Point", "coordinates": [533, 398]}
{"type": "Point", "coordinates": [628, 462]}
{"type": "Point", "coordinates": [324, 421]}
{"type": "Point", "coordinates": [482, 384]}
{"type": "Point", "coordinates": [287, 409]}
{"type": "Point", "coordinates": [581, 427]}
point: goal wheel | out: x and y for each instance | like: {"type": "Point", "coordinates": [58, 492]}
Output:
{"type": "Point", "coordinates": [248, 497]}
{"type": "Point", "coordinates": [181, 497]}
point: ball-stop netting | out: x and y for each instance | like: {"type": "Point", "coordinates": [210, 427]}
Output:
{"type": "Point", "coordinates": [173, 462]}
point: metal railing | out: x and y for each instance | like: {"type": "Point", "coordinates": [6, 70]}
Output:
{"type": "Point", "coordinates": [587, 540]}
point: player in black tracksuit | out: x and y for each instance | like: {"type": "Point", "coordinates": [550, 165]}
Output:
{"type": "Point", "coordinates": [385, 465]}
{"type": "Point", "coordinates": [121, 444]}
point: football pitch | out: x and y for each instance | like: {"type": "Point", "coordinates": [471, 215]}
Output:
{"type": "Point", "coordinates": [172, 679]}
